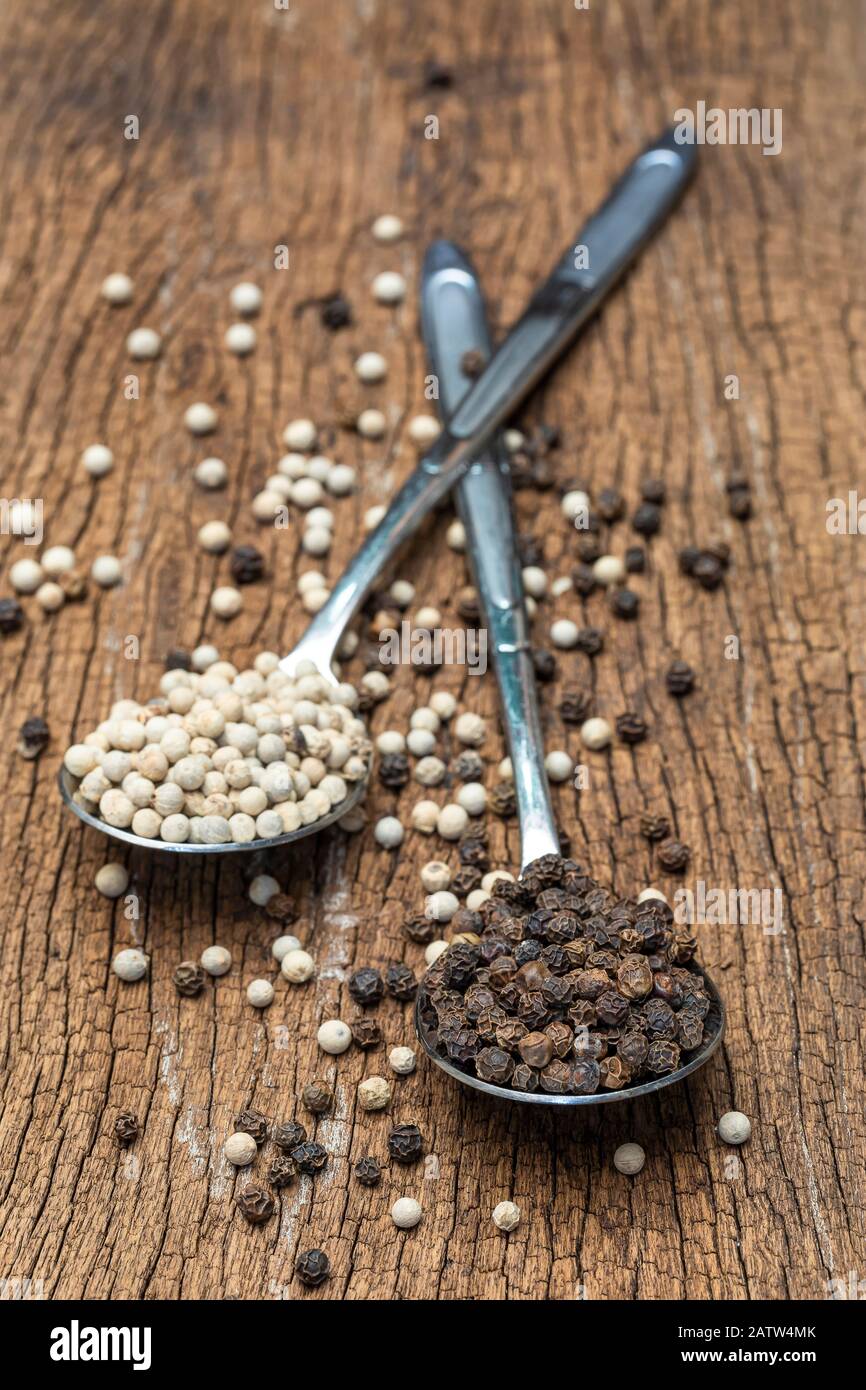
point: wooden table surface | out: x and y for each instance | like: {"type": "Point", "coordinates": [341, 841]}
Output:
{"type": "Point", "coordinates": [261, 128]}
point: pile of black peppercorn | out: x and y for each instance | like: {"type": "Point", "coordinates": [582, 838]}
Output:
{"type": "Point", "coordinates": [569, 989]}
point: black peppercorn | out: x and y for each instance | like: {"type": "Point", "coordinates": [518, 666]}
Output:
{"type": "Point", "coordinates": [33, 738]}
{"type": "Point", "coordinates": [495, 1065]}
{"type": "Point", "coordinates": [679, 679]}
{"type": "Point", "coordinates": [11, 615]}
{"type": "Point", "coordinates": [708, 570]}
{"type": "Point", "coordinates": [647, 519]}
{"type": "Point", "coordinates": [590, 640]}
{"type": "Point", "coordinates": [556, 1077]}
{"type": "Point", "coordinates": [690, 1030]}
{"type": "Point", "coordinates": [588, 547]}
{"type": "Point", "coordinates": [310, 1157]}
{"type": "Point", "coordinates": [400, 982]}
{"type": "Point", "coordinates": [524, 1078]}
{"type": "Point", "coordinates": [466, 880]}
{"type": "Point", "coordinates": [368, 1172]}
{"type": "Point", "coordinates": [635, 559]}
{"type": "Point", "coordinates": [419, 929]}
{"type": "Point", "coordinates": [317, 1097]}
{"type": "Point", "coordinates": [654, 827]}
{"type": "Point", "coordinates": [467, 767]}
{"type": "Point", "coordinates": [610, 504]}
{"type": "Point", "coordinates": [256, 1204]}
{"type": "Point", "coordinates": [178, 660]}
{"type": "Point", "coordinates": [673, 856]}
{"type": "Point", "coordinates": [366, 1033]}
{"type": "Point", "coordinates": [585, 1076]}
{"type": "Point", "coordinates": [126, 1127]}
{"type": "Point", "coordinates": [653, 490]}
{"type": "Point", "coordinates": [281, 908]}
{"type": "Point", "coordinates": [366, 985]}
{"type": "Point", "coordinates": [574, 706]}
{"type": "Point", "coordinates": [536, 1049]}
{"type": "Point", "coordinates": [631, 728]}
{"type": "Point", "coordinates": [281, 1171]}
{"type": "Point", "coordinates": [662, 1057]}
{"type": "Point", "coordinates": [312, 1268]}
{"type": "Point", "coordinates": [624, 603]}
{"type": "Point", "coordinates": [503, 800]}
{"type": "Point", "coordinates": [336, 312]}
{"type": "Point", "coordinates": [289, 1135]}
{"type": "Point", "coordinates": [436, 74]}
{"type": "Point", "coordinates": [740, 503]}
{"type": "Point", "coordinates": [583, 579]}
{"type": "Point", "coordinates": [405, 1143]}
{"type": "Point", "coordinates": [394, 771]}
{"type": "Point", "coordinates": [189, 978]}
{"type": "Point", "coordinates": [252, 1122]}
{"type": "Point", "coordinates": [530, 550]}
{"type": "Point", "coordinates": [247, 564]}
{"type": "Point", "coordinates": [688, 558]}
{"type": "Point", "coordinates": [544, 664]}
{"type": "Point", "coordinates": [472, 363]}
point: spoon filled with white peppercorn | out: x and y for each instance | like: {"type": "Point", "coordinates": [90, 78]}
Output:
{"type": "Point", "coordinates": [564, 995]}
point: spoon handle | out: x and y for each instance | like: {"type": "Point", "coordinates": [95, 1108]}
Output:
{"type": "Point", "coordinates": [453, 323]}
{"type": "Point", "coordinates": [600, 254]}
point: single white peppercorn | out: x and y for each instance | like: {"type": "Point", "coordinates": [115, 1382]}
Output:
{"type": "Point", "coordinates": [226, 602]}
{"type": "Point", "coordinates": [97, 460]}
{"type": "Point", "coordinates": [402, 593]}
{"type": "Point", "coordinates": [240, 1149]}
{"type": "Point", "coordinates": [80, 759]}
{"type": "Point", "coordinates": [240, 338]}
{"type": "Point", "coordinates": [423, 429]}
{"type": "Point", "coordinates": [200, 418]}
{"type": "Point", "coordinates": [424, 718]}
{"type": "Point", "coordinates": [494, 876]}
{"type": "Point", "coordinates": [428, 618]}
{"type": "Point", "coordinates": [316, 540]}
{"type": "Point", "coordinates": [116, 288]}
{"type": "Point", "coordinates": [629, 1158]}
{"type": "Point", "coordinates": [245, 298]}
{"type": "Point", "coordinates": [435, 949]}
{"type": "Point", "coordinates": [435, 876]}
{"type": "Point", "coordinates": [473, 798]}
{"type": "Point", "coordinates": [514, 440]}
{"type": "Point", "coordinates": [371, 424]}
{"type": "Point", "coordinates": [560, 586]}
{"type": "Point", "coordinates": [300, 434]}
{"type": "Point", "coordinates": [401, 1060]}
{"type": "Point", "coordinates": [389, 287]}
{"type": "Point", "coordinates": [559, 765]}
{"type": "Point", "coordinates": [371, 367]}
{"type": "Point", "coordinates": [146, 823]}
{"type": "Point", "coordinates": [406, 1213]}
{"type": "Point", "coordinates": [430, 771]}
{"type": "Point", "coordinates": [470, 730]}
{"type": "Point", "coordinates": [455, 537]}
{"type": "Point", "coordinates": [112, 880]}
{"type": "Point", "coordinates": [307, 492]}
{"type": "Point", "coordinates": [215, 537]}
{"type": "Point", "coordinates": [50, 597]}
{"type": "Point", "coordinates": [476, 898]}
{"type": "Point", "coordinates": [25, 576]}
{"type": "Point", "coordinates": [334, 1036]}
{"type": "Point", "coordinates": [130, 964]}
{"type": "Point", "coordinates": [262, 888]}
{"type": "Point", "coordinates": [283, 945]}
{"type": "Point", "coordinates": [595, 733]}
{"type": "Point", "coordinates": [143, 344]}
{"type": "Point", "coordinates": [574, 504]}
{"type": "Point", "coordinates": [452, 821]}
{"type": "Point", "coordinates": [535, 581]}
{"type": "Point", "coordinates": [444, 704]}
{"type": "Point", "coordinates": [441, 906]}
{"type": "Point", "coordinates": [174, 829]}
{"type": "Point", "coordinates": [374, 1093]}
{"type": "Point", "coordinates": [506, 1215]}
{"type": "Point", "coordinates": [106, 571]}
{"type": "Point", "coordinates": [266, 505]}
{"type": "Point", "coordinates": [315, 599]}
{"type": "Point", "coordinates": [57, 560]}
{"type": "Point", "coordinates": [388, 832]}
{"type": "Point", "coordinates": [116, 808]}
{"type": "Point", "coordinates": [216, 960]}
{"type": "Point", "coordinates": [734, 1127]}
{"type": "Point", "coordinates": [388, 227]}
{"type": "Point", "coordinates": [204, 656]}
{"type": "Point", "coordinates": [260, 993]}
{"type": "Point", "coordinates": [505, 770]}
{"type": "Point", "coordinates": [564, 633]}
{"type": "Point", "coordinates": [609, 570]}
{"type": "Point", "coordinates": [211, 473]}
{"type": "Point", "coordinates": [297, 967]}
{"type": "Point", "coordinates": [391, 741]}
{"type": "Point", "coordinates": [425, 814]}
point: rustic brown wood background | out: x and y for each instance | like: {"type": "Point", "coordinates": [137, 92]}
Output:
{"type": "Point", "coordinates": [261, 127]}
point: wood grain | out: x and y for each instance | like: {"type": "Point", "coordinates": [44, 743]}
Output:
{"type": "Point", "coordinates": [259, 128]}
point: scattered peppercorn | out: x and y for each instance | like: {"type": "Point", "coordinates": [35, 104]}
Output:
{"type": "Point", "coordinates": [126, 1128]}
{"type": "Point", "coordinates": [679, 679]}
{"type": "Point", "coordinates": [178, 660]}
{"type": "Point", "coordinates": [503, 800]}
{"type": "Point", "coordinates": [466, 879]}
{"type": "Point", "coordinates": [436, 74]}
{"type": "Point", "coordinates": [281, 907]}
{"type": "Point", "coordinates": [310, 1157]}
{"type": "Point", "coordinates": [467, 766]}
{"type": "Point", "coordinates": [472, 363]}
{"type": "Point", "coordinates": [647, 519]}
{"type": "Point", "coordinates": [189, 978]}
{"type": "Point", "coordinates": [624, 603]}
{"type": "Point", "coordinates": [575, 706]}
{"type": "Point", "coordinates": [635, 559]}
{"type": "Point", "coordinates": [336, 312]}
{"type": "Point", "coordinates": [394, 770]}
{"type": "Point", "coordinates": [253, 1123]}
{"type": "Point", "coordinates": [11, 615]}
{"type": "Point", "coordinates": [256, 1204]}
{"type": "Point", "coordinates": [317, 1097]}
{"type": "Point", "coordinates": [368, 1172]}
{"type": "Point", "coordinates": [33, 738]}
{"type": "Point", "coordinates": [673, 856]}
{"type": "Point", "coordinates": [420, 929]}
{"type": "Point", "coordinates": [366, 985]}
{"type": "Point", "coordinates": [708, 570]}
{"type": "Point", "coordinates": [654, 827]}
{"type": "Point", "coordinates": [312, 1268]}
{"type": "Point", "coordinates": [590, 640]}
{"type": "Point", "coordinates": [400, 982]}
{"type": "Point", "coordinates": [544, 664]}
{"type": "Point", "coordinates": [583, 579]}
{"type": "Point", "coordinates": [289, 1135]}
{"type": "Point", "coordinates": [631, 728]}
{"type": "Point", "coordinates": [405, 1143]}
{"type": "Point", "coordinates": [247, 564]}
{"type": "Point", "coordinates": [589, 548]}
{"type": "Point", "coordinates": [366, 1033]}
{"type": "Point", "coordinates": [653, 490]}
{"type": "Point", "coordinates": [281, 1171]}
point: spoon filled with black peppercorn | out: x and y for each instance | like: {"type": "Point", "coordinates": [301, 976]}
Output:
{"type": "Point", "coordinates": [565, 994]}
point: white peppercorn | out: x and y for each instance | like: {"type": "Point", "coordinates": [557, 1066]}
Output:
{"type": "Point", "coordinates": [283, 945]}
{"type": "Point", "coordinates": [266, 505]}
{"type": "Point", "coordinates": [563, 633]}
{"type": "Point", "coordinates": [444, 704]}
{"type": "Point", "coordinates": [240, 338]}
{"type": "Point", "coordinates": [97, 460]}
{"type": "Point", "coordinates": [651, 894]}
{"type": "Point", "coordinates": [608, 570]}
{"type": "Point", "coordinates": [144, 344]}
{"type": "Point", "coordinates": [558, 765]}
{"type": "Point", "coordinates": [146, 823]}
{"type": "Point", "coordinates": [374, 1093]}
{"type": "Point", "coordinates": [470, 730]}
{"type": "Point", "coordinates": [513, 440]}
{"type": "Point", "coordinates": [423, 429]}
{"type": "Point", "coordinates": [390, 741]}
{"type": "Point", "coordinates": [595, 733]}
{"type": "Point", "coordinates": [200, 418]}
{"type": "Point", "coordinates": [50, 597]}
{"type": "Point", "coordinates": [506, 1215]}
{"type": "Point", "coordinates": [306, 493]}
{"type": "Point", "coordinates": [116, 288]}
{"type": "Point", "coordinates": [420, 742]}
{"type": "Point", "coordinates": [25, 576]}
{"type": "Point", "coordinates": [476, 898]}
{"type": "Point", "coordinates": [455, 537]}
{"type": "Point", "coordinates": [734, 1127]}
{"type": "Point", "coordinates": [441, 906]}
{"type": "Point", "coordinates": [388, 227]}
{"type": "Point", "coordinates": [334, 1036]}
{"type": "Point", "coordinates": [211, 473]}
{"type": "Point", "coordinates": [112, 880]}
{"type": "Point", "coordinates": [389, 287]}
{"type": "Point", "coordinates": [371, 367]}
{"type": "Point", "coordinates": [226, 602]}
{"type": "Point", "coordinates": [425, 814]}
{"type": "Point", "coordinates": [428, 618]}
{"type": "Point", "coordinates": [175, 829]}
{"type": "Point", "coordinates": [262, 888]}
{"type": "Point", "coordinates": [574, 504]}
{"type": "Point", "coordinates": [297, 967]}
{"type": "Point", "coordinates": [401, 1060]}
{"type": "Point", "coordinates": [434, 950]}
{"type": "Point", "coordinates": [341, 480]}
{"type": "Point", "coordinates": [430, 771]}
{"type": "Point", "coordinates": [452, 821]}
{"type": "Point", "coordinates": [371, 424]}
{"type": "Point", "coordinates": [130, 964]}
{"type": "Point", "coordinates": [300, 434]}
{"type": "Point", "coordinates": [215, 537]}
{"type": "Point", "coordinates": [388, 832]}
{"type": "Point", "coordinates": [560, 586]}
{"type": "Point", "coordinates": [629, 1158]}
{"type": "Point", "coordinates": [505, 770]}
{"type": "Point", "coordinates": [216, 960]}
{"type": "Point", "coordinates": [535, 581]}
{"type": "Point", "coordinates": [495, 876]}
{"type": "Point", "coordinates": [105, 571]}
{"type": "Point", "coordinates": [435, 876]}
{"type": "Point", "coordinates": [316, 540]}
{"type": "Point", "coordinates": [57, 560]}
{"type": "Point", "coordinates": [245, 297]}
{"type": "Point", "coordinates": [473, 798]}
{"type": "Point", "coordinates": [260, 993]}
{"type": "Point", "coordinates": [406, 1213]}
{"type": "Point", "coordinates": [240, 1149]}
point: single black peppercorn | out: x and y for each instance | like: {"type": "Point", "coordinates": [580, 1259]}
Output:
{"type": "Point", "coordinates": [336, 312]}
{"type": "Point", "coordinates": [419, 929]}
{"type": "Point", "coordinates": [635, 559]}
{"type": "Point", "coordinates": [189, 978]}
{"type": "Point", "coordinates": [688, 558]}
{"type": "Point", "coordinates": [281, 908]}
{"type": "Point", "coordinates": [366, 985]}
{"type": "Point", "coordinates": [583, 579]}
{"type": "Point", "coordinates": [281, 1171]}
{"type": "Point", "coordinates": [495, 1065]}
{"type": "Point", "coordinates": [253, 1123]}
{"type": "Point", "coordinates": [653, 490]}
{"type": "Point", "coordinates": [654, 827]}
{"type": "Point", "coordinates": [662, 1056]}
{"type": "Point", "coordinates": [574, 706]}
{"type": "Point", "coordinates": [631, 728]}
{"type": "Point", "coordinates": [436, 74]}
{"type": "Point", "coordinates": [33, 737]}
{"type": "Point", "coordinates": [467, 767]}
{"type": "Point", "coordinates": [256, 1204]}
{"type": "Point", "coordinates": [647, 519]}
{"type": "Point", "coordinates": [366, 1033]}
{"type": "Point", "coordinates": [126, 1128]}
{"type": "Point", "coordinates": [405, 1143]}
{"type": "Point", "coordinates": [530, 550]}
{"type": "Point", "coordinates": [472, 362]}
{"type": "Point", "coordinates": [624, 603]}
{"type": "Point", "coordinates": [503, 800]}
{"type": "Point", "coordinates": [708, 570]}
{"type": "Point", "coordinates": [312, 1268]}
{"type": "Point", "coordinates": [673, 856]}
{"type": "Point", "coordinates": [544, 664]}
{"type": "Point", "coordinates": [610, 504]}
{"type": "Point", "coordinates": [400, 982]}
{"type": "Point", "coordinates": [740, 503]}
{"type": "Point", "coordinates": [466, 880]}
{"type": "Point", "coordinates": [289, 1135]}
{"type": "Point", "coordinates": [317, 1097]}
{"type": "Point", "coordinates": [310, 1157]}
{"type": "Point", "coordinates": [178, 660]}
{"type": "Point", "coordinates": [368, 1172]}
{"type": "Point", "coordinates": [590, 640]}
{"type": "Point", "coordinates": [588, 547]}
{"type": "Point", "coordinates": [679, 679]}
{"type": "Point", "coordinates": [247, 564]}
{"type": "Point", "coordinates": [11, 615]}
{"type": "Point", "coordinates": [394, 770]}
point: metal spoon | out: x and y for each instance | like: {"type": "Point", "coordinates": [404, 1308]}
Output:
{"type": "Point", "coordinates": [453, 321]}
{"type": "Point", "coordinates": [607, 244]}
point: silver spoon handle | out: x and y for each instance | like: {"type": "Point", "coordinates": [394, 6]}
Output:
{"type": "Point", "coordinates": [454, 322]}
{"type": "Point", "coordinates": [602, 251]}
